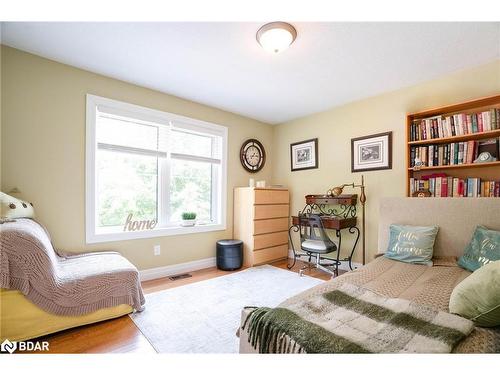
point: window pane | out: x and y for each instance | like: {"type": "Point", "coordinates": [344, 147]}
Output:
{"type": "Point", "coordinates": [192, 144]}
{"type": "Point", "coordinates": [126, 183]}
{"type": "Point", "coordinates": [126, 133]}
{"type": "Point", "coordinates": [190, 189]}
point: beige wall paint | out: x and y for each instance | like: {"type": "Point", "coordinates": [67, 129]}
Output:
{"type": "Point", "coordinates": [43, 143]}
{"type": "Point", "coordinates": [1, 113]}
{"type": "Point", "coordinates": [386, 112]}
{"type": "Point", "coordinates": [43, 140]}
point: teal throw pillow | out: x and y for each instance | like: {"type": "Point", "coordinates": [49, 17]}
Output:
{"type": "Point", "coordinates": [411, 244]}
{"type": "Point", "coordinates": [483, 248]}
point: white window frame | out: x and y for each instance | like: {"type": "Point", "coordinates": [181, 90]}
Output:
{"type": "Point", "coordinates": [159, 117]}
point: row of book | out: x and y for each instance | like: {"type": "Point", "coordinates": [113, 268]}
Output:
{"type": "Point", "coordinates": [452, 153]}
{"type": "Point", "coordinates": [440, 185]}
{"type": "Point", "coordinates": [454, 125]}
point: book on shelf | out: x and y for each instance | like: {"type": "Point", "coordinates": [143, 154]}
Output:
{"type": "Point", "coordinates": [440, 185]}
{"type": "Point", "coordinates": [454, 125]}
{"type": "Point", "coordinates": [456, 153]}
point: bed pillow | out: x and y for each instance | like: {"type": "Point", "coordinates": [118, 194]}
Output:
{"type": "Point", "coordinates": [411, 244]}
{"type": "Point", "coordinates": [477, 297]}
{"type": "Point", "coordinates": [483, 248]}
{"type": "Point", "coordinates": [13, 208]}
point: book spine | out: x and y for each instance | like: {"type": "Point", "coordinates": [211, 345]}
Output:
{"type": "Point", "coordinates": [473, 124]}
{"type": "Point", "coordinates": [445, 128]}
{"type": "Point", "coordinates": [452, 123]}
{"type": "Point", "coordinates": [470, 151]}
{"type": "Point", "coordinates": [444, 186]}
{"type": "Point", "coordinates": [480, 122]}
{"type": "Point", "coordinates": [486, 121]}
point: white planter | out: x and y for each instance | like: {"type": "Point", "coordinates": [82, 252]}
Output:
{"type": "Point", "coordinates": [188, 223]}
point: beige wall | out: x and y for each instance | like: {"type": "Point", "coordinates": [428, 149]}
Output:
{"type": "Point", "coordinates": [43, 140]}
{"type": "Point", "coordinates": [43, 143]}
{"type": "Point", "coordinates": [386, 112]}
{"type": "Point", "coordinates": [1, 114]}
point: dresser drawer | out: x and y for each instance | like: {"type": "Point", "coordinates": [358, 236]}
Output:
{"type": "Point", "coordinates": [271, 197]}
{"type": "Point", "coordinates": [269, 254]}
{"type": "Point", "coordinates": [261, 241]}
{"type": "Point", "coordinates": [270, 225]}
{"type": "Point", "coordinates": [270, 211]}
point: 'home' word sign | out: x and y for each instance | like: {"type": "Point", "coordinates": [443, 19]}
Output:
{"type": "Point", "coordinates": [131, 225]}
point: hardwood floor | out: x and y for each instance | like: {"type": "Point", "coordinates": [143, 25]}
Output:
{"type": "Point", "coordinates": [120, 335]}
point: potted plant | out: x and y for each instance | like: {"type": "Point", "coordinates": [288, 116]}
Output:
{"type": "Point", "coordinates": [188, 219]}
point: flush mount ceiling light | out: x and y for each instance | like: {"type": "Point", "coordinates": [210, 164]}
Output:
{"type": "Point", "coordinates": [276, 36]}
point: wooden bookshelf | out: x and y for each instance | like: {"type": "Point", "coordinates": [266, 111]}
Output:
{"type": "Point", "coordinates": [489, 170]}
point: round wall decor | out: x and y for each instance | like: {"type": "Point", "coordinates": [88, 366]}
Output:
{"type": "Point", "coordinates": [252, 155]}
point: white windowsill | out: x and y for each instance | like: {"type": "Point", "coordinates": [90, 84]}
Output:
{"type": "Point", "coordinates": [93, 238]}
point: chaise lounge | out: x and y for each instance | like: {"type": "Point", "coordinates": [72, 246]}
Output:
{"type": "Point", "coordinates": [45, 291]}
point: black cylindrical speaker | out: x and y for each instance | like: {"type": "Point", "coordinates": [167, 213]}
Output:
{"type": "Point", "coordinates": [229, 254]}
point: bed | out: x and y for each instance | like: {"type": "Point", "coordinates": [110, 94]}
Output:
{"type": "Point", "coordinates": [428, 286]}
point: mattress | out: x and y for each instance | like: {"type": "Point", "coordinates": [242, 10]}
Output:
{"type": "Point", "coordinates": [21, 320]}
{"type": "Point", "coordinates": [431, 286]}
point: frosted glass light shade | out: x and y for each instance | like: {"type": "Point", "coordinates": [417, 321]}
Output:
{"type": "Point", "coordinates": [276, 36]}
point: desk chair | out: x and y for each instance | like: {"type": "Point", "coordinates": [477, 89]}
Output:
{"type": "Point", "coordinates": [315, 242]}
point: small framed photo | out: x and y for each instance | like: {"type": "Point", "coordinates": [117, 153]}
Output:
{"type": "Point", "coordinates": [372, 152]}
{"type": "Point", "coordinates": [304, 155]}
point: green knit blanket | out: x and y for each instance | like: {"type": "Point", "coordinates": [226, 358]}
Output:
{"type": "Point", "coordinates": [352, 319]}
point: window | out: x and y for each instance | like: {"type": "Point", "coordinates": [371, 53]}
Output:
{"type": "Point", "coordinates": [149, 167]}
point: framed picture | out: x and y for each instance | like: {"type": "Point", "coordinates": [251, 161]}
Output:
{"type": "Point", "coordinates": [304, 155]}
{"type": "Point", "coordinates": [372, 152]}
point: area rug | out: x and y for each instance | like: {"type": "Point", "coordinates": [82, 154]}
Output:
{"type": "Point", "coordinates": [203, 317]}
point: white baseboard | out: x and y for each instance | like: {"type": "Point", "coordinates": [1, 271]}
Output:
{"type": "Point", "coordinates": [195, 265]}
{"type": "Point", "coordinates": [344, 265]}
{"type": "Point", "coordinates": [175, 269]}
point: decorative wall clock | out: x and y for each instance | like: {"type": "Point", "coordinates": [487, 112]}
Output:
{"type": "Point", "coordinates": [252, 155]}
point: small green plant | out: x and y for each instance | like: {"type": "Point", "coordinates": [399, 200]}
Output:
{"type": "Point", "coordinates": [188, 215]}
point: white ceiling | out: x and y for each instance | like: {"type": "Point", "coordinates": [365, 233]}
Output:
{"type": "Point", "coordinates": [221, 64]}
